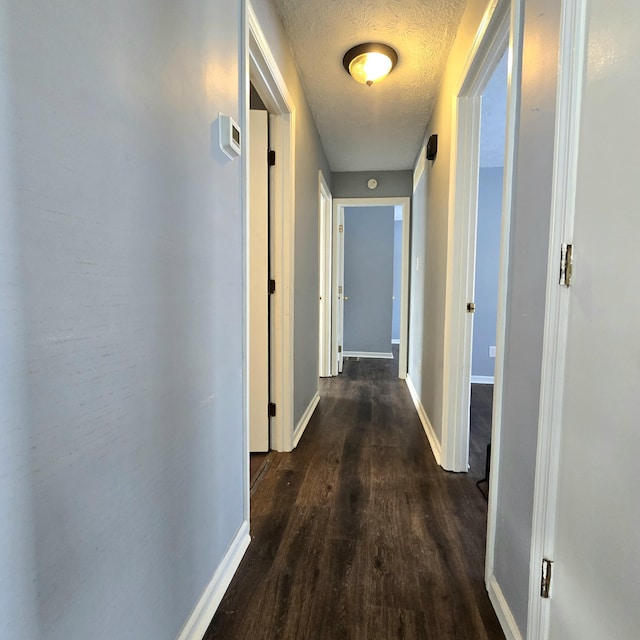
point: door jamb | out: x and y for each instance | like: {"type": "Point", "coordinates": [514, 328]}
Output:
{"type": "Point", "coordinates": [325, 226]}
{"type": "Point", "coordinates": [572, 59]}
{"type": "Point", "coordinates": [405, 203]}
{"type": "Point", "coordinates": [261, 69]}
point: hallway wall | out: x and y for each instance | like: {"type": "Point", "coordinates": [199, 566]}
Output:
{"type": "Point", "coordinates": [122, 315]}
{"type": "Point", "coordinates": [353, 184]}
{"type": "Point", "coordinates": [310, 158]}
{"type": "Point", "coordinates": [430, 235]}
{"type": "Point", "coordinates": [526, 286]}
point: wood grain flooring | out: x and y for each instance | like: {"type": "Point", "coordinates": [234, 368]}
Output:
{"type": "Point", "coordinates": [358, 534]}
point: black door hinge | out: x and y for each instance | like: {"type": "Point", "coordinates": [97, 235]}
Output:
{"type": "Point", "coordinates": [545, 582]}
{"type": "Point", "coordinates": [566, 264]}
{"type": "Point", "coordinates": [272, 286]}
{"type": "Point", "coordinates": [272, 409]}
{"type": "Point", "coordinates": [272, 158]}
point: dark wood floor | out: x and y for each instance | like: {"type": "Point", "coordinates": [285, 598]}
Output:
{"type": "Point", "coordinates": [358, 534]}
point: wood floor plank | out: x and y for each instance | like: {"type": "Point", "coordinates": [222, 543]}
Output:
{"type": "Point", "coordinates": [358, 534]}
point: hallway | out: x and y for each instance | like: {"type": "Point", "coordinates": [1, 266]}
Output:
{"type": "Point", "coordinates": [358, 533]}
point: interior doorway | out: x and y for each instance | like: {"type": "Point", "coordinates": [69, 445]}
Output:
{"type": "Point", "coordinates": [261, 70]}
{"type": "Point", "coordinates": [486, 271]}
{"type": "Point", "coordinates": [363, 207]}
{"type": "Point", "coordinates": [259, 276]}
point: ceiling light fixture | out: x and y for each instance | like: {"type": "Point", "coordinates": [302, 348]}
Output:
{"type": "Point", "coordinates": [370, 62]}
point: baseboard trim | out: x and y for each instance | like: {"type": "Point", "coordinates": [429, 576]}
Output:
{"type": "Point", "coordinates": [436, 447]}
{"type": "Point", "coordinates": [482, 379]}
{"type": "Point", "coordinates": [368, 354]}
{"type": "Point", "coordinates": [499, 602]}
{"type": "Point", "coordinates": [395, 340]}
{"type": "Point", "coordinates": [304, 421]}
{"type": "Point", "coordinates": [200, 618]}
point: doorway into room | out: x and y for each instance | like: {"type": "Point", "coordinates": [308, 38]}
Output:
{"type": "Point", "coordinates": [370, 246]}
{"type": "Point", "coordinates": [259, 232]}
{"type": "Point", "coordinates": [486, 272]}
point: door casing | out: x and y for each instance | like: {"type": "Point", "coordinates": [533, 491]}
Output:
{"type": "Point", "coordinates": [337, 310]}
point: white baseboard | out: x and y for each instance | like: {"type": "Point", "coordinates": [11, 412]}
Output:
{"type": "Point", "coordinates": [395, 340]}
{"type": "Point", "coordinates": [304, 421]}
{"type": "Point", "coordinates": [200, 618]}
{"type": "Point", "coordinates": [368, 354]}
{"type": "Point", "coordinates": [482, 379]}
{"type": "Point", "coordinates": [499, 602]}
{"type": "Point", "coordinates": [436, 447]}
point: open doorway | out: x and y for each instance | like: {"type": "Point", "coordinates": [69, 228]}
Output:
{"type": "Point", "coordinates": [259, 275]}
{"type": "Point", "coordinates": [487, 271]}
{"type": "Point", "coordinates": [261, 70]}
{"type": "Point", "coordinates": [364, 242]}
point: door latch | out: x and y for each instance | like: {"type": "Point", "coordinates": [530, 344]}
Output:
{"type": "Point", "coordinates": [471, 307]}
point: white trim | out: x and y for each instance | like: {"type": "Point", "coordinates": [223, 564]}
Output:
{"type": "Point", "coordinates": [200, 619]}
{"type": "Point", "coordinates": [368, 354]}
{"type": "Point", "coordinates": [513, 119]}
{"type": "Point", "coordinates": [424, 419]}
{"type": "Point", "coordinates": [505, 616]}
{"type": "Point", "coordinates": [395, 340]}
{"type": "Point", "coordinates": [419, 166]}
{"type": "Point", "coordinates": [306, 417]}
{"type": "Point", "coordinates": [572, 56]}
{"type": "Point", "coordinates": [325, 275]}
{"type": "Point", "coordinates": [482, 379]}
{"type": "Point", "coordinates": [245, 106]}
{"type": "Point", "coordinates": [339, 205]}
{"type": "Point", "coordinates": [269, 82]}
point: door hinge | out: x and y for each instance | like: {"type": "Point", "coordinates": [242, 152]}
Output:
{"type": "Point", "coordinates": [471, 307]}
{"type": "Point", "coordinates": [339, 348]}
{"type": "Point", "coordinates": [272, 286]}
{"type": "Point", "coordinates": [545, 582]}
{"type": "Point", "coordinates": [566, 264]}
{"type": "Point", "coordinates": [272, 409]}
{"type": "Point", "coordinates": [340, 228]}
{"type": "Point", "coordinates": [272, 158]}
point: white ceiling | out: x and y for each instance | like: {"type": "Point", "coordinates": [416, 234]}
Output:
{"type": "Point", "coordinates": [379, 127]}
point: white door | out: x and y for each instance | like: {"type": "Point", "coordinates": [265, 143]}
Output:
{"type": "Point", "coordinates": [258, 230]}
{"type": "Point", "coordinates": [596, 570]}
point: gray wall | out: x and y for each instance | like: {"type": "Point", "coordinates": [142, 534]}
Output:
{"type": "Point", "coordinates": [397, 279]}
{"type": "Point", "coordinates": [430, 234]}
{"type": "Point", "coordinates": [353, 184]}
{"type": "Point", "coordinates": [526, 303]}
{"type": "Point", "coordinates": [368, 278]}
{"type": "Point", "coordinates": [122, 313]}
{"type": "Point", "coordinates": [487, 268]}
{"type": "Point", "coordinates": [310, 158]}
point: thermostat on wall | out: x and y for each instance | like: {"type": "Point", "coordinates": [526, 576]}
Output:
{"type": "Point", "coordinates": [229, 136]}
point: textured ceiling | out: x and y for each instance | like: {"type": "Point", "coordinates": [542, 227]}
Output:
{"type": "Point", "coordinates": [379, 127]}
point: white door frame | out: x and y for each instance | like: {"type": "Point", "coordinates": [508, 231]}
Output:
{"type": "Point", "coordinates": [490, 42]}
{"type": "Point", "coordinates": [337, 301]}
{"type": "Point", "coordinates": [325, 253]}
{"type": "Point", "coordinates": [339, 205]}
{"type": "Point", "coordinates": [572, 60]}
{"type": "Point", "coordinates": [261, 69]}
